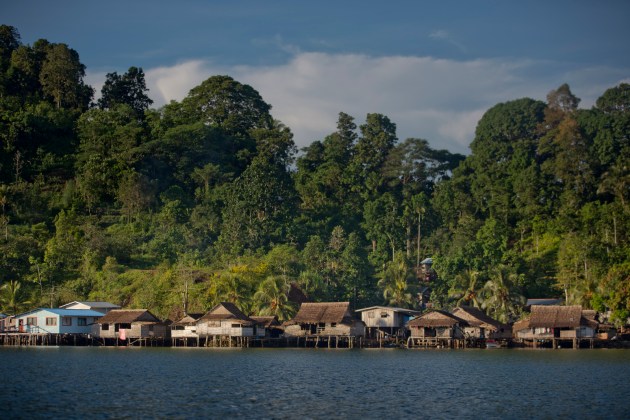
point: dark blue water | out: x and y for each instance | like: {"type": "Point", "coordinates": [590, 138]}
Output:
{"type": "Point", "coordinates": [85, 382]}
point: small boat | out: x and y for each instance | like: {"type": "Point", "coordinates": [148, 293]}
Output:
{"type": "Point", "coordinates": [492, 344]}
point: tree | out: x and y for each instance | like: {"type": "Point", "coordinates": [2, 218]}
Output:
{"type": "Point", "coordinates": [12, 297]}
{"type": "Point", "coordinates": [338, 146]}
{"type": "Point", "coordinates": [378, 136]}
{"type": "Point", "coordinates": [615, 100]}
{"type": "Point", "coordinates": [62, 78]}
{"type": "Point", "coordinates": [395, 282]}
{"type": "Point", "coordinates": [259, 205]}
{"type": "Point", "coordinates": [467, 289]}
{"type": "Point", "coordinates": [501, 299]}
{"type": "Point", "coordinates": [9, 42]}
{"type": "Point", "coordinates": [271, 298]}
{"type": "Point", "coordinates": [129, 89]}
{"type": "Point", "coordinates": [222, 102]}
{"type": "Point", "coordinates": [383, 224]}
{"type": "Point", "coordinates": [107, 150]}
{"type": "Point", "coordinates": [232, 287]}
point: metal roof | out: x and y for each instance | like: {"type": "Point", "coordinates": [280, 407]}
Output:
{"type": "Point", "coordinates": [401, 310]}
{"type": "Point", "coordinates": [65, 312]}
{"type": "Point", "coordinates": [92, 304]}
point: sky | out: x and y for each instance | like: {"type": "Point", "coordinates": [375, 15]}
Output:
{"type": "Point", "coordinates": [433, 68]}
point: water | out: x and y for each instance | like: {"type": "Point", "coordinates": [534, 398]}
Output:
{"type": "Point", "coordinates": [87, 382]}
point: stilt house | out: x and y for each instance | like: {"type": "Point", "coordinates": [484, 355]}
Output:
{"type": "Point", "coordinates": [125, 324]}
{"type": "Point", "coordinates": [326, 319]}
{"type": "Point", "coordinates": [270, 325]}
{"type": "Point", "coordinates": [555, 322]}
{"type": "Point", "coordinates": [480, 325]}
{"type": "Point", "coordinates": [186, 327]}
{"type": "Point", "coordinates": [226, 320]}
{"type": "Point", "coordinates": [437, 324]}
{"type": "Point", "coordinates": [57, 321]}
{"type": "Point", "coordinates": [383, 320]}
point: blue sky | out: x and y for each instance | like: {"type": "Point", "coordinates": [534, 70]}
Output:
{"type": "Point", "coordinates": [432, 67]}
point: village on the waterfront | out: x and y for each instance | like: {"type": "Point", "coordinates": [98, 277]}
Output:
{"type": "Point", "coordinates": [316, 325]}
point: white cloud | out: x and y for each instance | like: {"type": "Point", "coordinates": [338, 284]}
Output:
{"type": "Point", "coordinates": [435, 99]}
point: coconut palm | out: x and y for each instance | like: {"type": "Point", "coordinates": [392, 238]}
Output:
{"type": "Point", "coordinates": [467, 289]}
{"type": "Point", "coordinates": [232, 287]}
{"type": "Point", "coordinates": [12, 297]}
{"type": "Point", "coordinates": [271, 298]}
{"type": "Point", "coordinates": [395, 282]}
{"type": "Point", "coordinates": [502, 300]}
{"type": "Point", "coordinates": [313, 285]}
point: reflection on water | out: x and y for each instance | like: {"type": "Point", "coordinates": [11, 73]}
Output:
{"type": "Point", "coordinates": [306, 383]}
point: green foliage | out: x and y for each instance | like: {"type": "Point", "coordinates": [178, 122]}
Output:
{"type": "Point", "coordinates": [207, 200]}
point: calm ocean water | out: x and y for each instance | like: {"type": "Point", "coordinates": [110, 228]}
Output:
{"type": "Point", "coordinates": [85, 382]}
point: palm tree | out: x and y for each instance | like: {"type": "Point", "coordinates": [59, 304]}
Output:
{"type": "Point", "coordinates": [230, 287]}
{"type": "Point", "coordinates": [467, 289]}
{"type": "Point", "coordinates": [271, 298]}
{"type": "Point", "coordinates": [395, 282]}
{"type": "Point", "coordinates": [502, 300]}
{"type": "Point", "coordinates": [313, 285]}
{"type": "Point", "coordinates": [12, 297]}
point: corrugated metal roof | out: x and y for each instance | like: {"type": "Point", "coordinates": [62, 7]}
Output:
{"type": "Point", "coordinates": [92, 304]}
{"type": "Point", "coordinates": [395, 309]}
{"type": "Point", "coordinates": [65, 312]}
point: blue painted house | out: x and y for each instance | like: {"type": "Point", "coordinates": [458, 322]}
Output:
{"type": "Point", "coordinates": [57, 321]}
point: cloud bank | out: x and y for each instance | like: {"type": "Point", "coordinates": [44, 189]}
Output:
{"type": "Point", "coordinates": [435, 99]}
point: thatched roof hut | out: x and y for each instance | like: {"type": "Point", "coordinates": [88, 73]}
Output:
{"type": "Point", "coordinates": [227, 311]}
{"type": "Point", "coordinates": [187, 320]}
{"type": "Point", "coordinates": [436, 319]}
{"type": "Point", "coordinates": [554, 316]}
{"type": "Point", "coordinates": [127, 316]}
{"type": "Point", "coordinates": [477, 318]}
{"type": "Point", "coordinates": [322, 312]}
{"type": "Point", "coordinates": [131, 323]}
{"type": "Point", "coordinates": [225, 319]}
{"type": "Point", "coordinates": [437, 323]}
{"type": "Point", "coordinates": [481, 325]}
{"type": "Point", "coordinates": [324, 318]}
{"type": "Point", "coordinates": [548, 321]}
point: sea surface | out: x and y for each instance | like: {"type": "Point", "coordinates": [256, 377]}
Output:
{"type": "Point", "coordinates": [193, 383]}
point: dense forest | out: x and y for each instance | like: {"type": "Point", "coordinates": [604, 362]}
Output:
{"type": "Point", "coordinates": [208, 199]}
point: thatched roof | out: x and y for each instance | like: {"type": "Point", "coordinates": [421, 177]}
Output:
{"type": "Point", "coordinates": [435, 319]}
{"type": "Point", "coordinates": [324, 312]}
{"type": "Point", "coordinates": [128, 316]}
{"type": "Point", "coordinates": [266, 321]}
{"type": "Point", "coordinates": [554, 316]}
{"type": "Point", "coordinates": [477, 318]}
{"type": "Point", "coordinates": [189, 319]}
{"type": "Point", "coordinates": [227, 311]}
{"type": "Point", "coordinates": [522, 324]}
